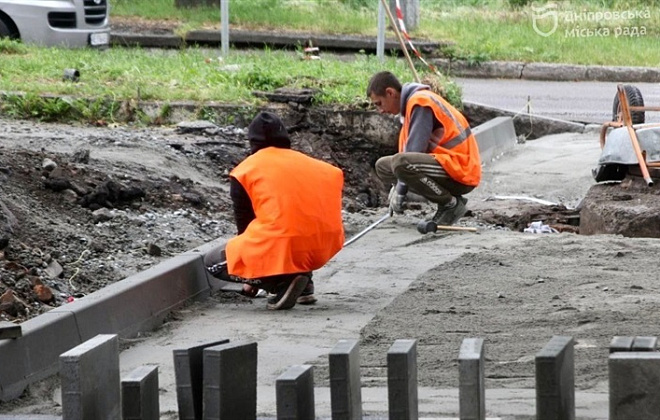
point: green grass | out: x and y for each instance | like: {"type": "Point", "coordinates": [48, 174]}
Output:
{"type": "Point", "coordinates": [190, 74]}
{"type": "Point", "coordinates": [480, 29]}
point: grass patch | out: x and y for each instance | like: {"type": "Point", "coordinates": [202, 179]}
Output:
{"type": "Point", "coordinates": [118, 75]}
{"type": "Point", "coordinates": [480, 29]}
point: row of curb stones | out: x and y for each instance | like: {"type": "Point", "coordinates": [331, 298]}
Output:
{"type": "Point", "coordinates": [455, 68]}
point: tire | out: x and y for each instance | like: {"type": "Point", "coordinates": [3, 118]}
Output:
{"type": "Point", "coordinates": [634, 97]}
{"type": "Point", "coordinates": [610, 172]}
{"type": "Point", "coordinates": [7, 28]}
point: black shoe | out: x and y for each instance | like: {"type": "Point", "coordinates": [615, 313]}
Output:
{"type": "Point", "coordinates": [219, 271]}
{"type": "Point", "coordinates": [307, 296]}
{"type": "Point", "coordinates": [448, 215]}
{"type": "Point", "coordinates": [287, 293]}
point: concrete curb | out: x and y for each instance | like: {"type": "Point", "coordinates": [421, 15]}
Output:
{"type": "Point", "coordinates": [259, 39]}
{"type": "Point", "coordinates": [138, 303]}
{"type": "Point", "coordinates": [494, 138]}
{"type": "Point", "coordinates": [454, 68]}
{"type": "Point", "coordinates": [529, 125]}
{"type": "Point", "coordinates": [547, 71]}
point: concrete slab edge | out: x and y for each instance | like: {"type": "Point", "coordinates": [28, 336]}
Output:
{"type": "Point", "coordinates": [530, 126]}
{"type": "Point", "coordinates": [138, 303]}
{"type": "Point", "coordinates": [495, 137]}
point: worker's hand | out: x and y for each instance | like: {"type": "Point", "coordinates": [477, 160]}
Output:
{"type": "Point", "coordinates": [397, 202]}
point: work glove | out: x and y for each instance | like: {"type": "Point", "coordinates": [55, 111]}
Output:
{"type": "Point", "coordinates": [397, 201]}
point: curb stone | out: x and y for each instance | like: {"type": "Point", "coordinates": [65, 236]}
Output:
{"type": "Point", "coordinates": [455, 68]}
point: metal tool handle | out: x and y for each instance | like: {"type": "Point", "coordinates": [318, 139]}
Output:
{"type": "Point", "coordinates": [365, 231]}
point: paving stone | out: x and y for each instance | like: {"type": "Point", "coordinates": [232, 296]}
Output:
{"type": "Point", "coordinates": [295, 393]}
{"type": "Point", "coordinates": [402, 380]}
{"type": "Point", "coordinates": [139, 394]}
{"type": "Point", "coordinates": [345, 385]}
{"type": "Point", "coordinates": [89, 374]}
{"type": "Point", "coordinates": [555, 380]}
{"type": "Point", "coordinates": [471, 383]}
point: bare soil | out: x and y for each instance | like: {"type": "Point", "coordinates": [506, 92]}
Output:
{"type": "Point", "coordinates": [88, 206]}
{"type": "Point", "coordinates": [83, 207]}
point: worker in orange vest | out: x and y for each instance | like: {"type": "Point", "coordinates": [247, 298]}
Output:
{"type": "Point", "coordinates": [438, 156]}
{"type": "Point", "coordinates": [287, 207]}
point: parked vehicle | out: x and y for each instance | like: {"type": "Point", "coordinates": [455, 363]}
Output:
{"type": "Point", "coordinates": [68, 23]}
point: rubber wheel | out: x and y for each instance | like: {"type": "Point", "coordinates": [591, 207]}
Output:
{"type": "Point", "coordinates": [635, 98]}
{"type": "Point", "coordinates": [426, 226]}
{"type": "Point", "coordinates": [6, 30]}
{"type": "Point", "coordinates": [611, 172]}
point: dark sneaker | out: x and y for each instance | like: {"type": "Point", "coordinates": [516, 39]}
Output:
{"type": "Point", "coordinates": [287, 293]}
{"type": "Point", "coordinates": [307, 296]}
{"type": "Point", "coordinates": [219, 271]}
{"type": "Point", "coordinates": [447, 216]}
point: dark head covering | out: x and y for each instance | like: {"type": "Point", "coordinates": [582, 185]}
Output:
{"type": "Point", "coordinates": [266, 130]}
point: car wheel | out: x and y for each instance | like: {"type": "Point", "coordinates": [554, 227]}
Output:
{"type": "Point", "coordinates": [634, 97]}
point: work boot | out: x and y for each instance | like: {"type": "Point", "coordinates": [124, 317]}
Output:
{"type": "Point", "coordinates": [288, 292]}
{"type": "Point", "coordinates": [307, 296]}
{"type": "Point", "coordinates": [447, 215]}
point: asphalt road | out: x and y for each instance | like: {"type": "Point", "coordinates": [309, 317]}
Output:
{"type": "Point", "coordinates": [587, 102]}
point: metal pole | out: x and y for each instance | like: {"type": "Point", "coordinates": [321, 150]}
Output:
{"type": "Point", "coordinates": [365, 231]}
{"type": "Point", "coordinates": [380, 43]}
{"type": "Point", "coordinates": [401, 41]}
{"type": "Point", "coordinates": [224, 26]}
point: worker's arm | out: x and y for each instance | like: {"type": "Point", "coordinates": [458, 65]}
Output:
{"type": "Point", "coordinates": [243, 211]}
{"type": "Point", "coordinates": [422, 124]}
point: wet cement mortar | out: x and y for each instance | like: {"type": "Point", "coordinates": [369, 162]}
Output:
{"type": "Point", "coordinates": [84, 207]}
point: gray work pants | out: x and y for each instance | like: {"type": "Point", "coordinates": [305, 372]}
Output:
{"type": "Point", "coordinates": [423, 175]}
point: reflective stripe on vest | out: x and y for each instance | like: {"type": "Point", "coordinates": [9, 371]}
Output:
{"type": "Point", "coordinates": [297, 202]}
{"type": "Point", "coordinates": [463, 134]}
{"type": "Point", "coordinates": [453, 145]}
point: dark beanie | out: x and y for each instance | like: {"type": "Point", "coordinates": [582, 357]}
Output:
{"type": "Point", "coordinates": [265, 130]}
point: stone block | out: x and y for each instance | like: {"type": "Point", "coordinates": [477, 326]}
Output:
{"type": "Point", "coordinates": [634, 379]}
{"type": "Point", "coordinates": [641, 343]}
{"type": "Point", "coordinates": [9, 330]}
{"type": "Point", "coordinates": [140, 302]}
{"type": "Point", "coordinates": [189, 376]}
{"type": "Point", "coordinates": [555, 380]}
{"type": "Point", "coordinates": [295, 393]}
{"type": "Point", "coordinates": [621, 343]}
{"type": "Point", "coordinates": [31, 361]}
{"type": "Point", "coordinates": [402, 380]}
{"type": "Point", "coordinates": [89, 374]}
{"type": "Point", "coordinates": [139, 394]}
{"type": "Point", "coordinates": [230, 382]}
{"type": "Point", "coordinates": [345, 385]}
{"type": "Point", "coordinates": [471, 382]}
{"type": "Point", "coordinates": [495, 137]}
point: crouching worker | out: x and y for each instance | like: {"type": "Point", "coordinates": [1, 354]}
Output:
{"type": "Point", "coordinates": [438, 154]}
{"type": "Point", "coordinates": [287, 207]}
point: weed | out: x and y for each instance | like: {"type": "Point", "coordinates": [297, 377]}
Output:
{"type": "Point", "coordinates": [10, 46]}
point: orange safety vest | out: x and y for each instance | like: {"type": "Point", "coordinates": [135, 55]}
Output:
{"type": "Point", "coordinates": [457, 150]}
{"type": "Point", "coordinates": [297, 202]}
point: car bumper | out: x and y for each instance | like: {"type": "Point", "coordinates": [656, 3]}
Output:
{"type": "Point", "coordinates": [31, 19]}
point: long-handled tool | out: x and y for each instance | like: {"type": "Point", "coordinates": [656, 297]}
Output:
{"type": "Point", "coordinates": [368, 228]}
{"type": "Point", "coordinates": [422, 227]}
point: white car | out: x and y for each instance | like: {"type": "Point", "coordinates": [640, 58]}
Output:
{"type": "Point", "coordinates": [67, 23]}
